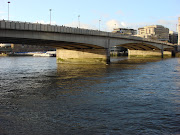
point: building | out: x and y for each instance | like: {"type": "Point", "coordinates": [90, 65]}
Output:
{"type": "Point", "coordinates": [179, 31]}
{"type": "Point", "coordinates": [5, 48]}
{"type": "Point", "coordinates": [155, 32]}
{"type": "Point", "coordinates": [125, 31]}
{"type": "Point", "coordinates": [118, 51]}
{"type": "Point", "coordinates": [9, 48]}
{"type": "Point", "coordinates": [30, 48]}
{"type": "Point", "coordinates": [5, 45]}
{"type": "Point", "coordinates": [173, 37]}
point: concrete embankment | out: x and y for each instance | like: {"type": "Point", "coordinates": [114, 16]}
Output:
{"type": "Point", "coordinates": [177, 54]}
{"type": "Point", "coordinates": [149, 54]}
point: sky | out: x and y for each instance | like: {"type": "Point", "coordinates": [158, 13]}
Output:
{"type": "Point", "coordinates": [94, 14]}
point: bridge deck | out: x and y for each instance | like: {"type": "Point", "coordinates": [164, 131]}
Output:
{"type": "Point", "coordinates": [25, 26]}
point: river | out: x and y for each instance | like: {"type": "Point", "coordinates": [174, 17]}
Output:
{"type": "Point", "coordinates": [127, 97]}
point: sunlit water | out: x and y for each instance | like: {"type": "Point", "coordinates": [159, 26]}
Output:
{"type": "Point", "coordinates": [129, 97]}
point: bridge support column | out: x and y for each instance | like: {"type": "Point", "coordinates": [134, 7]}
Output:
{"type": "Point", "coordinates": [83, 56]}
{"type": "Point", "coordinates": [149, 53]}
{"type": "Point", "coordinates": [162, 52]}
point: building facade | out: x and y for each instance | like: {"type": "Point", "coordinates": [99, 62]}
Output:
{"type": "Point", "coordinates": [125, 31]}
{"type": "Point", "coordinates": [173, 37]}
{"type": "Point", "coordinates": [30, 48]}
{"type": "Point", "coordinates": [118, 51]}
{"type": "Point", "coordinates": [5, 48]}
{"type": "Point", "coordinates": [155, 32]}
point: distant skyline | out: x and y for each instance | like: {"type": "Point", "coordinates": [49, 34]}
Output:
{"type": "Point", "coordinates": [112, 13]}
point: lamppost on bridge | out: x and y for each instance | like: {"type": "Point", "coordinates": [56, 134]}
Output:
{"type": "Point", "coordinates": [8, 9]}
{"type": "Point", "coordinates": [99, 24]}
{"type": "Point", "coordinates": [79, 20]}
{"type": "Point", "coordinates": [50, 15]}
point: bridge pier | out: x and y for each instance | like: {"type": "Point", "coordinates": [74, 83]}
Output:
{"type": "Point", "coordinates": [162, 53]}
{"type": "Point", "coordinates": [149, 53]}
{"type": "Point", "coordinates": [83, 56]}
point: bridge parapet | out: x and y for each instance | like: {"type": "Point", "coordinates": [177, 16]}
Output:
{"type": "Point", "coordinates": [26, 26]}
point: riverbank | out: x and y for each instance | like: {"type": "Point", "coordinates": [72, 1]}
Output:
{"type": "Point", "coordinates": [3, 55]}
{"type": "Point", "coordinates": [42, 54]}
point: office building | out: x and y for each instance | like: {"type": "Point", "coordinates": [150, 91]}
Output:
{"type": "Point", "coordinates": [179, 31]}
{"type": "Point", "coordinates": [30, 48]}
{"type": "Point", "coordinates": [155, 32]}
{"type": "Point", "coordinates": [173, 37]}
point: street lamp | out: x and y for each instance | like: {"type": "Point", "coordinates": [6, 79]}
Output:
{"type": "Point", "coordinates": [79, 20]}
{"type": "Point", "coordinates": [8, 9]}
{"type": "Point", "coordinates": [99, 24]}
{"type": "Point", "coordinates": [50, 15]}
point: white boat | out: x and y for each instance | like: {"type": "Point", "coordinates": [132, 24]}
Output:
{"type": "Point", "coordinates": [46, 54]}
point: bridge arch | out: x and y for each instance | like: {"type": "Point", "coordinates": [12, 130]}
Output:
{"type": "Point", "coordinates": [139, 46]}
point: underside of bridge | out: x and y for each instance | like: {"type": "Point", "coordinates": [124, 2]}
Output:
{"type": "Point", "coordinates": [146, 50]}
{"type": "Point", "coordinates": [51, 43]}
{"type": "Point", "coordinates": [143, 46]}
{"type": "Point", "coordinates": [139, 46]}
{"type": "Point", "coordinates": [69, 52]}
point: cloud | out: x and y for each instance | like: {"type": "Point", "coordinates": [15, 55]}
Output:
{"type": "Point", "coordinates": [72, 24]}
{"type": "Point", "coordinates": [123, 24]}
{"type": "Point", "coordinates": [111, 24]}
{"type": "Point", "coordinates": [82, 25]}
{"type": "Point", "coordinates": [120, 12]}
{"type": "Point", "coordinates": [171, 24]}
{"type": "Point", "coordinates": [2, 15]}
{"type": "Point", "coordinates": [105, 26]}
{"type": "Point", "coordinates": [2, 12]}
{"type": "Point", "coordinates": [164, 22]}
{"type": "Point", "coordinates": [174, 17]}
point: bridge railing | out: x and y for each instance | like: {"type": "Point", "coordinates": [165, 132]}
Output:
{"type": "Point", "coordinates": [15, 25]}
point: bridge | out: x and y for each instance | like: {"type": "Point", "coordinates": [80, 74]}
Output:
{"type": "Point", "coordinates": [78, 45]}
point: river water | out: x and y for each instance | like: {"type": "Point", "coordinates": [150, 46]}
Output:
{"type": "Point", "coordinates": [127, 97]}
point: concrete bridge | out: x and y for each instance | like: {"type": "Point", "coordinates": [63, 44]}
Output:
{"type": "Point", "coordinates": [78, 45]}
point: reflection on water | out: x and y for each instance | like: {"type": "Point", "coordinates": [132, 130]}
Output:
{"type": "Point", "coordinates": [66, 71]}
{"type": "Point", "coordinates": [129, 96]}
